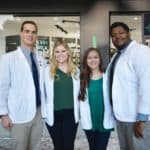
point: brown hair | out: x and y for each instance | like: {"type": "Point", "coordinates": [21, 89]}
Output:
{"type": "Point", "coordinates": [28, 22]}
{"type": "Point", "coordinates": [85, 74]}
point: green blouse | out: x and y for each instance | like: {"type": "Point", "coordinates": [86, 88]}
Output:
{"type": "Point", "coordinates": [96, 101]}
{"type": "Point", "coordinates": [63, 91]}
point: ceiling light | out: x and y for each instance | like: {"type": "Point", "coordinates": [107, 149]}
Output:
{"type": "Point", "coordinates": [4, 18]}
{"type": "Point", "coordinates": [55, 18]}
{"type": "Point", "coordinates": [18, 18]}
{"type": "Point", "coordinates": [135, 18]}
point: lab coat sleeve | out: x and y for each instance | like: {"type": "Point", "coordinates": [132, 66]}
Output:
{"type": "Point", "coordinates": [144, 93]}
{"type": "Point", "coordinates": [45, 92]}
{"type": "Point", "coordinates": [42, 74]}
{"type": "Point", "coordinates": [142, 68]}
{"type": "Point", "coordinates": [44, 102]}
{"type": "Point", "coordinates": [4, 84]}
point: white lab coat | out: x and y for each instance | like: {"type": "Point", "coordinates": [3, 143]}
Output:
{"type": "Point", "coordinates": [17, 91]}
{"type": "Point", "coordinates": [85, 114]}
{"type": "Point", "coordinates": [49, 97]}
{"type": "Point", "coordinates": [131, 83]}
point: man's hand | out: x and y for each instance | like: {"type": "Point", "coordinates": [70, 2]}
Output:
{"type": "Point", "coordinates": [138, 129]}
{"type": "Point", "coordinates": [6, 122]}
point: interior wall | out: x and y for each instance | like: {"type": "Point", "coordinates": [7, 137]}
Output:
{"type": "Point", "coordinates": [2, 44]}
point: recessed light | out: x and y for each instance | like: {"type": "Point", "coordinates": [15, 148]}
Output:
{"type": "Point", "coordinates": [135, 18]}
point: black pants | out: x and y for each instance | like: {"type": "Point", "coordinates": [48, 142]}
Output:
{"type": "Point", "coordinates": [97, 140]}
{"type": "Point", "coordinates": [63, 132]}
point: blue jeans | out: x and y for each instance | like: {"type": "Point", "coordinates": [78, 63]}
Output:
{"type": "Point", "coordinates": [97, 140]}
{"type": "Point", "coordinates": [64, 130]}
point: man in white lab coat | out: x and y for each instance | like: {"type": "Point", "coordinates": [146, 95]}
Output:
{"type": "Point", "coordinates": [129, 89]}
{"type": "Point", "coordinates": [20, 91]}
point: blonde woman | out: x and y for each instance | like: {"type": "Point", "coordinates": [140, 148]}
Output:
{"type": "Point", "coordinates": [61, 91]}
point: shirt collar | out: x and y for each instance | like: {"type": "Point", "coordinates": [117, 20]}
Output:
{"type": "Point", "coordinates": [124, 46]}
{"type": "Point", "coordinates": [26, 51]}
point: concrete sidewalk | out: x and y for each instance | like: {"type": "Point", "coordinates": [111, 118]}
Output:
{"type": "Point", "coordinates": [80, 142]}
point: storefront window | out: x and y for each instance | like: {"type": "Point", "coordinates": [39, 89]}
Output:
{"type": "Point", "coordinates": [49, 29]}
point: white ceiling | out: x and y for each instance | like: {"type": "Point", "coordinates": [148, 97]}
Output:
{"type": "Point", "coordinates": [71, 26]}
{"type": "Point", "coordinates": [51, 21]}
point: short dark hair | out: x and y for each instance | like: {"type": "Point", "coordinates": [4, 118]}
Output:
{"type": "Point", "coordinates": [28, 22]}
{"type": "Point", "coordinates": [119, 24]}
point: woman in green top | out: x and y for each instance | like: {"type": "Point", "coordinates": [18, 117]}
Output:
{"type": "Point", "coordinates": [61, 94]}
{"type": "Point", "coordinates": [91, 100]}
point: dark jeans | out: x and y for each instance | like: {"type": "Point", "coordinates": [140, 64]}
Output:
{"type": "Point", "coordinates": [97, 140]}
{"type": "Point", "coordinates": [63, 132]}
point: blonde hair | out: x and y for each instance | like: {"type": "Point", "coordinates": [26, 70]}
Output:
{"type": "Point", "coordinates": [71, 69]}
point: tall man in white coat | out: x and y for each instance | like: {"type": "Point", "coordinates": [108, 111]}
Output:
{"type": "Point", "coordinates": [20, 91]}
{"type": "Point", "coordinates": [130, 91]}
